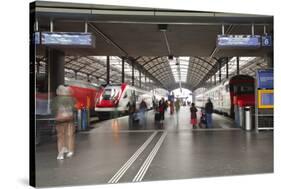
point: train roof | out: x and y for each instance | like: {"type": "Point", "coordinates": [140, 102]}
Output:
{"type": "Point", "coordinates": [241, 77]}
{"type": "Point", "coordinates": [79, 83]}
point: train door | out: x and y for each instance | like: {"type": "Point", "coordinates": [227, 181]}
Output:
{"type": "Point", "coordinates": [125, 98]}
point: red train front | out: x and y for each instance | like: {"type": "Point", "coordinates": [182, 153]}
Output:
{"type": "Point", "coordinates": [242, 91]}
{"type": "Point", "coordinates": [85, 94]}
{"type": "Point", "coordinates": [109, 99]}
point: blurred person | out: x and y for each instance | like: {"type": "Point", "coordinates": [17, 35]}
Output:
{"type": "Point", "coordinates": [63, 107]}
{"type": "Point", "coordinates": [172, 107]}
{"type": "Point", "coordinates": [209, 110]}
{"type": "Point", "coordinates": [142, 112]}
{"type": "Point", "coordinates": [193, 115]}
{"type": "Point", "coordinates": [162, 109]}
{"type": "Point", "coordinates": [131, 110]}
{"type": "Point", "coordinates": [166, 105]}
{"type": "Point", "coordinates": [177, 107]}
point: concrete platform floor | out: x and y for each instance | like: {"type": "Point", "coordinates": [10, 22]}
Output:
{"type": "Point", "coordinates": [114, 153]}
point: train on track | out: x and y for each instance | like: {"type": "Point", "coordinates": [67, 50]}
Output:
{"type": "Point", "coordinates": [101, 100]}
{"type": "Point", "coordinates": [239, 90]}
{"type": "Point", "coordinates": [115, 97]}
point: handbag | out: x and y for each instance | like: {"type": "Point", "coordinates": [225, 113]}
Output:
{"type": "Point", "coordinates": [64, 114]}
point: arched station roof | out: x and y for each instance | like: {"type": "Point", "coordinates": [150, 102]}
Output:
{"type": "Point", "coordinates": [138, 35]}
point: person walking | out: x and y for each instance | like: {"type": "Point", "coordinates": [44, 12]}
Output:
{"type": "Point", "coordinates": [193, 115]}
{"type": "Point", "coordinates": [142, 112]}
{"type": "Point", "coordinates": [131, 110]}
{"type": "Point", "coordinates": [63, 107]}
{"type": "Point", "coordinates": [209, 110]}
{"type": "Point", "coordinates": [172, 107]}
{"type": "Point", "coordinates": [162, 109]}
{"type": "Point", "coordinates": [177, 107]}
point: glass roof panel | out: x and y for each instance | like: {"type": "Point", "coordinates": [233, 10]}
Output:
{"type": "Point", "coordinates": [180, 68]}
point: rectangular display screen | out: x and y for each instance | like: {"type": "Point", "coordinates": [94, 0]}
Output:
{"type": "Point", "coordinates": [265, 79]}
{"type": "Point", "coordinates": [67, 38]}
{"type": "Point", "coordinates": [238, 41]}
{"type": "Point", "coordinates": [267, 99]}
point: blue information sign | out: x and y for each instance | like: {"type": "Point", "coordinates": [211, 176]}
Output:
{"type": "Point", "coordinates": [265, 79]}
{"type": "Point", "coordinates": [238, 41]}
{"type": "Point", "coordinates": [67, 38]}
{"type": "Point", "coordinates": [267, 99]}
{"type": "Point", "coordinates": [171, 97]}
{"type": "Point", "coordinates": [266, 41]}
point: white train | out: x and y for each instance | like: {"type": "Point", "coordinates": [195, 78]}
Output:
{"type": "Point", "coordinates": [238, 90]}
{"type": "Point", "coordinates": [114, 98]}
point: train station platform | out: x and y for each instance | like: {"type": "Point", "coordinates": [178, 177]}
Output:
{"type": "Point", "coordinates": [114, 153]}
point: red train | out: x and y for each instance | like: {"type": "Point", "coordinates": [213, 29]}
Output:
{"type": "Point", "coordinates": [85, 94]}
{"type": "Point", "coordinates": [236, 91]}
{"type": "Point", "coordinates": [114, 98]}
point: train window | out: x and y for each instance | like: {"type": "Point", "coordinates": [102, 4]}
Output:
{"type": "Point", "coordinates": [246, 89]}
{"type": "Point", "coordinates": [110, 93]}
{"type": "Point", "coordinates": [106, 95]}
{"type": "Point", "coordinates": [235, 89]}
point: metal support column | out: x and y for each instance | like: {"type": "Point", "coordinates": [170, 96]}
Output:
{"type": "Point", "coordinates": [38, 67]}
{"type": "Point", "coordinates": [269, 60]}
{"type": "Point", "coordinates": [107, 70]}
{"type": "Point", "coordinates": [145, 82]}
{"type": "Point", "coordinates": [219, 71]}
{"type": "Point", "coordinates": [237, 65]}
{"type": "Point", "coordinates": [227, 69]}
{"type": "Point", "coordinates": [55, 69]}
{"type": "Point", "coordinates": [133, 74]}
{"type": "Point", "coordinates": [140, 78]}
{"type": "Point", "coordinates": [123, 70]}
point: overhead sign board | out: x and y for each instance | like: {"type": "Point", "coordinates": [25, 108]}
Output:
{"type": "Point", "coordinates": [67, 39]}
{"type": "Point", "coordinates": [265, 79]}
{"type": "Point", "coordinates": [238, 41]}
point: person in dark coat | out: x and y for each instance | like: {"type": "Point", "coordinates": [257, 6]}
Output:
{"type": "Point", "coordinates": [162, 108]}
{"type": "Point", "coordinates": [131, 110]}
{"type": "Point", "coordinates": [209, 110]}
{"type": "Point", "coordinates": [142, 112]}
{"type": "Point", "coordinates": [193, 115]}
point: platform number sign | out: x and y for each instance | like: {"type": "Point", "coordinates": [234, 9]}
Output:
{"type": "Point", "coordinates": [266, 41]}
